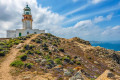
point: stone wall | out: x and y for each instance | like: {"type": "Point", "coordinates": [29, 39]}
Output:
{"type": "Point", "coordinates": [11, 33]}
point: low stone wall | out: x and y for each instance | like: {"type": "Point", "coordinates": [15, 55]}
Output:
{"type": "Point", "coordinates": [4, 38]}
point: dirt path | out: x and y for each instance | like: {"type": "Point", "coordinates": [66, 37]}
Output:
{"type": "Point", "coordinates": [4, 66]}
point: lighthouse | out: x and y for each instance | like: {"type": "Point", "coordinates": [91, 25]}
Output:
{"type": "Point", "coordinates": [27, 18]}
{"type": "Point", "coordinates": [27, 29]}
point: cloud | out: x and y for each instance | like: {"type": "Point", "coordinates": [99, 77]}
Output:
{"type": "Point", "coordinates": [76, 10]}
{"type": "Point", "coordinates": [105, 10]}
{"type": "Point", "coordinates": [44, 18]}
{"type": "Point", "coordinates": [75, 0]}
{"type": "Point", "coordinates": [101, 18]}
{"type": "Point", "coordinates": [11, 17]}
{"type": "Point", "coordinates": [97, 1]}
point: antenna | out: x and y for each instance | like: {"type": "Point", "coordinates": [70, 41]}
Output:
{"type": "Point", "coordinates": [26, 3]}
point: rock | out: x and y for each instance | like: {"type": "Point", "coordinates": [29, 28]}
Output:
{"type": "Point", "coordinates": [49, 66]}
{"type": "Point", "coordinates": [77, 68]}
{"type": "Point", "coordinates": [43, 62]}
{"type": "Point", "coordinates": [110, 75]}
{"type": "Point", "coordinates": [58, 67]}
{"type": "Point", "coordinates": [116, 58]}
{"type": "Point", "coordinates": [37, 60]}
{"type": "Point", "coordinates": [66, 72]}
{"type": "Point", "coordinates": [67, 60]}
{"type": "Point", "coordinates": [77, 76]}
{"type": "Point", "coordinates": [96, 62]}
{"type": "Point", "coordinates": [26, 78]}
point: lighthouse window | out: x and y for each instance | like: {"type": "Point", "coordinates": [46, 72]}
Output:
{"type": "Point", "coordinates": [35, 32]}
{"type": "Point", "coordinates": [27, 32]}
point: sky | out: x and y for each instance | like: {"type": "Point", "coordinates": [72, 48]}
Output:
{"type": "Point", "coordinates": [93, 20]}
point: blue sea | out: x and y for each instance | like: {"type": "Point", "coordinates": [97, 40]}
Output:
{"type": "Point", "coordinates": [114, 45]}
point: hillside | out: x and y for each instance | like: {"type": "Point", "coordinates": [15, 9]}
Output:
{"type": "Point", "coordinates": [47, 57]}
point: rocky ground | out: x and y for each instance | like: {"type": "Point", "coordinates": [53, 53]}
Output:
{"type": "Point", "coordinates": [47, 57]}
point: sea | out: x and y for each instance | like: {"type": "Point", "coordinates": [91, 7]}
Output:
{"type": "Point", "coordinates": [114, 45]}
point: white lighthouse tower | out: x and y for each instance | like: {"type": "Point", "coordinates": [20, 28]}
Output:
{"type": "Point", "coordinates": [27, 26]}
{"type": "Point", "coordinates": [27, 18]}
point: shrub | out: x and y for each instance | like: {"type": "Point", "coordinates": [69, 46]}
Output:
{"type": "Point", "coordinates": [58, 61]}
{"type": "Point", "coordinates": [16, 42]}
{"type": "Point", "coordinates": [17, 63]}
{"type": "Point", "coordinates": [89, 58]}
{"type": "Point", "coordinates": [54, 44]}
{"type": "Point", "coordinates": [38, 41]}
{"type": "Point", "coordinates": [29, 65]}
{"type": "Point", "coordinates": [50, 53]}
{"type": "Point", "coordinates": [47, 57]}
{"type": "Point", "coordinates": [38, 52]}
{"type": "Point", "coordinates": [23, 50]}
{"type": "Point", "coordinates": [61, 49]}
{"type": "Point", "coordinates": [1, 49]}
{"type": "Point", "coordinates": [28, 47]}
{"type": "Point", "coordinates": [29, 52]}
{"type": "Point", "coordinates": [2, 53]}
{"type": "Point", "coordinates": [78, 63]}
{"type": "Point", "coordinates": [45, 48]}
{"type": "Point", "coordinates": [44, 45]}
{"type": "Point", "coordinates": [33, 40]}
{"type": "Point", "coordinates": [23, 57]}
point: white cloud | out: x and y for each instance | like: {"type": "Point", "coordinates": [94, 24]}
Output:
{"type": "Point", "coordinates": [12, 11]}
{"type": "Point", "coordinates": [101, 18]}
{"type": "Point", "coordinates": [75, 0]}
{"type": "Point", "coordinates": [116, 28]}
{"type": "Point", "coordinates": [44, 18]}
{"type": "Point", "coordinates": [76, 10]}
{"type": "Point", "coordinates": [97, 1]}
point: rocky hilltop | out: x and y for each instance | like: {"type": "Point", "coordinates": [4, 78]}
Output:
{"type": "Point", "coordinates": [47, 57]}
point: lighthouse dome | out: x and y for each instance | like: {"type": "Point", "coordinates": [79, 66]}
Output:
{"type": "Point", "coordinates": [27, 10]}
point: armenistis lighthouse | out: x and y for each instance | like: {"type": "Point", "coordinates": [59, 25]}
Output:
{"type": "Point", "coordinates": [27, 26]}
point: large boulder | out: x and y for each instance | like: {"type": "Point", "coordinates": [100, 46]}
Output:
{"type": "Point", "coordinates": [66, 72]}
{"type": "Point", "coordinates": [116, 57]}
{"type": "Point", "coordinates": [77, 76]}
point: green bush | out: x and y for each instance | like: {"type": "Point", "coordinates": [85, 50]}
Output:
{"type": "Point", "coordinates": [61, 49]}
{"type": "Point", "coordinates": [1, 49]}
{"type": "Point", "coordinates": [16, 42]}
{"type": "Point", "coordinates": [46, 48]}
{"type": "Point", "coordinates": [58, 61]}
{"type": "Point", "coordinates": [50, 53]}
{"type": "Point", "coordinates": [29, 52]}
{"type": "Point", "coordinates": [23, 57]}
{"type": "Point", "coordinates": [78, 63]}
{"type": "Point", "coordinates": [38, 52]}
{"type": "Point", "coordinates": [17, 63]}
{"type": "Point", "coordinates": [47, 57]}
{"type": "Point", "coordinates": [29, 65]}
{"type": "Point", "coordinates": [33, 40]}
{"type": "Point", "coordinates": [23, 50]}
{"type": "Point", "coordinates": [2, 53]}
{"type": "Point", "coordinates": [29, 47]}
{"type": "Point", "coordinates": [38, 41]}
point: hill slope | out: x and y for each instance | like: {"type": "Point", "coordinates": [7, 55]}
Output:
{"type": "Point", "coordinates": [48, 57]}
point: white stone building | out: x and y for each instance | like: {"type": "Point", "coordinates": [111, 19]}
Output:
{"type": "Point", "coordinates": [27, 26]}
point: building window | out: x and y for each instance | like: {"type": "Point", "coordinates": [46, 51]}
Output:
{"type": "Point", "coordinates": [35, 32]}
{"type": "Point", "coordinates": [20, 34]}
{"type": "Point", "coordinates": [27, 32]}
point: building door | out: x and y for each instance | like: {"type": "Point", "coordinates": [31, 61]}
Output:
{"type": "Point", "coordinates": [27, 32]}
{"type": "Point", "coordinates": [35, 32]}
{"type": "Point", "coordinates": [20, 34]}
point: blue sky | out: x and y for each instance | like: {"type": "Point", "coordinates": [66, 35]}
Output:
{"type": "Point", "coordinates": [97, 20]}
{"type": "Point", "coordinates": [66, 8]}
